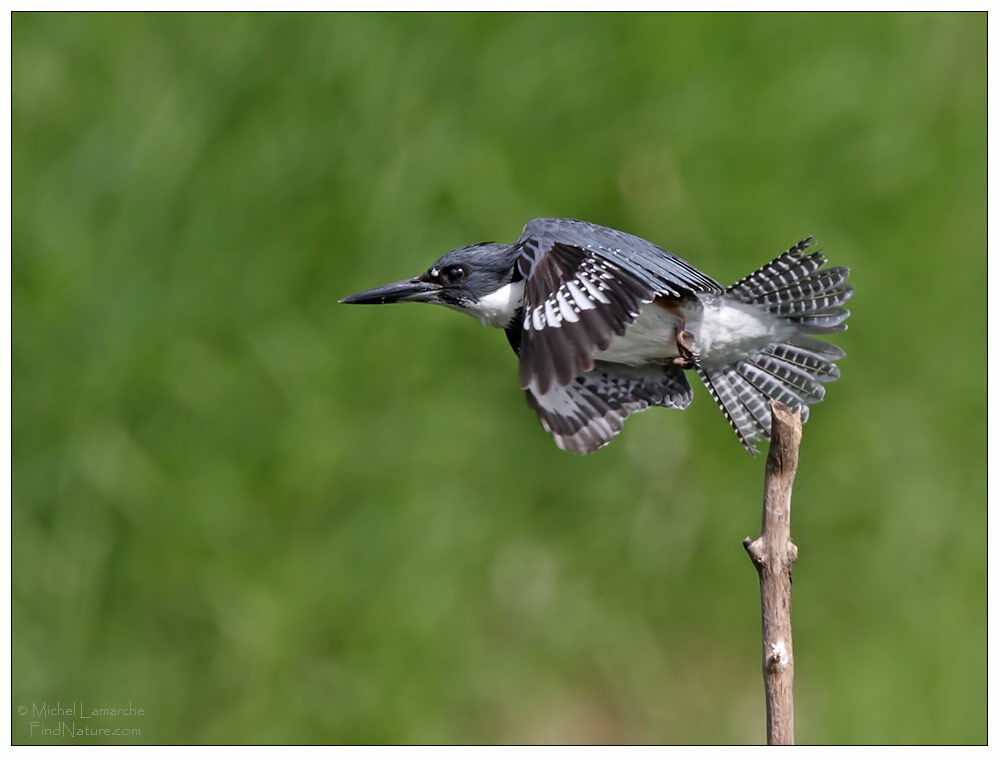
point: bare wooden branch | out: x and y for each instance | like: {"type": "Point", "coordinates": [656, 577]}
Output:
{"type": "Point", "coordinates": [773, 554]}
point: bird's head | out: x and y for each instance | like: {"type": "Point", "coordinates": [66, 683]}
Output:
{"type": "Point", "coordinates": [476, 279]}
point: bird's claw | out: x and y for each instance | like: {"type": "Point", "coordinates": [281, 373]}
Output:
{"type": "Point", "coordinates": [683, 345]}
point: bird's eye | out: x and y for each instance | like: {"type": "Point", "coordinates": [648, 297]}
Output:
{"type": "Point", "coordinates": [453, 274]}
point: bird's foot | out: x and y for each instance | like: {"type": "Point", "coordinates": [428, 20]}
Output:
{"type": "Point", "coordinates": [686, 357]}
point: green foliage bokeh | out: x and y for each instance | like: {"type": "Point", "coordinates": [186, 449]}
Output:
{"type": "Point", "coordinates": [266, 517]}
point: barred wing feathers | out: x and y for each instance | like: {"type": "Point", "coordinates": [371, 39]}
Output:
{"type": "Point", "coordinates": [584, 285]}
{"type": "Point", "coordinates": [590, 410]}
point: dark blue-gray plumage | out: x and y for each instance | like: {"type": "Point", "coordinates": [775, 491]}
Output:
{"type": "Point", "coordinates": [605, 324]}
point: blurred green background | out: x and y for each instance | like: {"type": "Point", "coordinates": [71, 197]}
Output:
{"type": "Point", "coordinates": [265, 517]}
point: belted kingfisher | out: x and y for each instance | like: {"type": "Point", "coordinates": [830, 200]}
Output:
{"type": "Point", "coordinates": [605, 324]}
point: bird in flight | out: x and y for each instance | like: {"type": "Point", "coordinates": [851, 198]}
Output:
{"type": "Point", "coordinates": [606, 324]}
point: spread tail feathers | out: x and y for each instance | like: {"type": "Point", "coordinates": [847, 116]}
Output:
{"type": "Point", "coordinates": [798, 291]}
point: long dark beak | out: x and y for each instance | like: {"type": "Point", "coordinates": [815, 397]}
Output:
{"type": "Point", "coordinates": [410, 290]}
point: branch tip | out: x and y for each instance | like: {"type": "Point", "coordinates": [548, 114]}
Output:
{"type": "Point", "coordinates": [773, 553]}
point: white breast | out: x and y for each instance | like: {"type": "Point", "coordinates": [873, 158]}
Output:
{"type": "Point", "coordinates": [651, 338]}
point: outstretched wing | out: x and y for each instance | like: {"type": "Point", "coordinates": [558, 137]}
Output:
{"type": "Point", "coordinates": [590, 410]}
{"type": "Point", "coordinates": [584, 284]}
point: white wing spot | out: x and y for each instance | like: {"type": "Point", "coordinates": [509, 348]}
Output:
{"type": "Point", "coordinates": [539, 318]}
{"type": "Point", "coordinates": [594, 290]}
{"type": "Point", "coordinates": [568, 312]}
{"type": "Point", "coordinates": [552, 313]}
{"type": "Point", "coordinates": [579, 297]}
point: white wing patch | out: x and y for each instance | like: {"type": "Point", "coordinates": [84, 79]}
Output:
{"type": "Point", "coordinates": [569, 312]}
{"type": "Point", "coordinates": [581, 300]}
{"type": "Point", "coordinates": [575, 302]}
{"type": "Point", "coordinates": [554, 318]}
{"type": "Point", "coordinates": [586, 291]}
{"type": "Point", "coordinates": [595, 290]}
